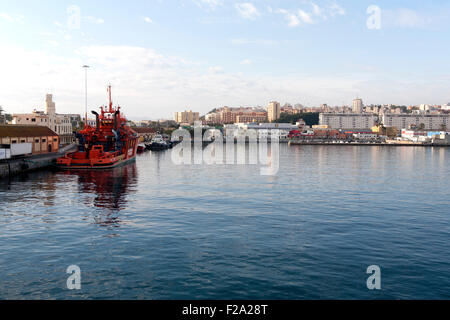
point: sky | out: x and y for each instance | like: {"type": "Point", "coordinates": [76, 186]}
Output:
{"type": "Point", "coordinates": [163, 56]}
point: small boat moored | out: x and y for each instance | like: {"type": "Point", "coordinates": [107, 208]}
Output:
{"type": "Point", "coordinates": [157, 144]}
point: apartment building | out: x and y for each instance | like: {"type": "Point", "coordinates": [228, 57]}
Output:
{"type": "Point", "coordinates": [186, 117]}
{"type": "Point", "coordinates": [418, 120]}
{"type": "Point", "coordinates": [348, 120]}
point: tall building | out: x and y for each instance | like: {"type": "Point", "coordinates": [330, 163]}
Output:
{"type": "Point", "coordinates": [357, 105]}
{"type": "Point", "coordinates": [187, 117]}
{"type": "Point", "coordinates": [50, 107]}
{"type": "Point", "coordinates": [59, 123]}
{"type": "Point", "coordinates": [273, 111]}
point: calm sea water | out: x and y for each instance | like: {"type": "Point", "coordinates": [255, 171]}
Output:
{"type": "Point", "coordinates": [154, 230]}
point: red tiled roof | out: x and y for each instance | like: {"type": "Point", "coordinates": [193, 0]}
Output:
{"type": "Point", "coordinates": [18, 130]}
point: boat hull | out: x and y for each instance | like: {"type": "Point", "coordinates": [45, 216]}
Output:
{"type": "Point", "coordinates": [97, 167]}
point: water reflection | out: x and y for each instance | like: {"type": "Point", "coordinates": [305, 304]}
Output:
{"type": "Point", "coordinates": [110, 189]}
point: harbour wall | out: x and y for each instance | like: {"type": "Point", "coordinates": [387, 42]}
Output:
{"type": "Point", "coordinates": [17, 166]}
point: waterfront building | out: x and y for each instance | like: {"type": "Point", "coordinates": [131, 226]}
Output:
{"type": "Point", "coordinates": [227, 115]}
{"type": "Point", "coordinates": [420, 120]}
{"type": "Point", "coordinates": [75, 119]}
{"type": "Point", "coordinates": [42, 138]}
{"type": "Point", "coordinates": [59, 123]}
{"type": "Point", "coordinates": [212, 118]}
{"type": "Point", "coordinates": [186, 117]}
{"type": "Point", "coordinates": [144, 133]}
{"type": "Point", "coordinates": [357, 105]}
{"type": "Point", "coordinates": [348, 120]}
{"type": "Point", "coordinates": [90, 122]}
{"type": "Point", "coordinates": [273, 111]}
{"type": "Point", "coordinates": [263, 130]}
{"type": "Point", "coordinates": [254, 117]}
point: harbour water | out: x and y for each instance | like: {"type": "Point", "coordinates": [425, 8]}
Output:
{"type": "Point", "coordinates": [155, 230]}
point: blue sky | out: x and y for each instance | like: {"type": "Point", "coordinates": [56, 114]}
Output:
{"type": "Point", "coordinates": [166, 56]}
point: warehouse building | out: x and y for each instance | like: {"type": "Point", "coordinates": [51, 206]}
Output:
{"type": "Point", "coordinates": [43, 139]}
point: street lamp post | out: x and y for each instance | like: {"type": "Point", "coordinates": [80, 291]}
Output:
{"type": "Point", "coordinates": [86, 67]}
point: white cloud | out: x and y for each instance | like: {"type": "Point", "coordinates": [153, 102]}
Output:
{"type": "Point", "coordinates": [292, 18]}
{"type": "Point", "coordinates": [149, 85]}
{"type": "Point", "coordinates": [209, 4]}
{"type": "Point", "coordinates": [305, 17]}
{"type": "Point", "coordinates": [299, 16]}
{"type": "Point", "coordinates": [95, 20]}
{"type": "Point", "coordinates": [334, 9]}
{"type": "Point", "coordinates": [10, 18]}
{"type": "Point", "coordinates": [247, 10]}
{"type": "Point", "coordinates": [246, 62]}
{"type": "Point", "coordinates": [148, 20]}
{"type": "Point", "coordinates": [6, 16]}
{"type": "Point", "coordinates": [408, 18]}
{"type": "Point", "coordinates": [215, 70]}
{"type": "Point", "coordinates": [316, 9]}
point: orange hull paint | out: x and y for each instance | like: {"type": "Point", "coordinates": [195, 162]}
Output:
{"type": "Point", "coordinates": [109, 144]}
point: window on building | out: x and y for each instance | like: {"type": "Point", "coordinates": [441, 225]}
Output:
{"type": "Point", "coordinates": [33, 120]}
{"type": "Point", "coordinates": [22, 141]}
{"type": "Point", "coordinates": [14, 141]}
{"type": "Point", "coordinates": [43, 140]}
{"type": "Point", "coordinates": [55, 139]}
{"type": "Point", "coordinates": [37, 140]}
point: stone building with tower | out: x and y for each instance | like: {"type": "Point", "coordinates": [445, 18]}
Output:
{"type": "Point", "coordinates": [59, 123]}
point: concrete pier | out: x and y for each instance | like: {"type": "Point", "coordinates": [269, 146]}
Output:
{"type": "Point", "coordinates": [13, 167]}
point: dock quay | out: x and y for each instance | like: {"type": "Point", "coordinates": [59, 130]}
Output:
{"type": "Point", "coordinates": [16, 166]}
{"type": "Point", "coordinates": [367, 144]}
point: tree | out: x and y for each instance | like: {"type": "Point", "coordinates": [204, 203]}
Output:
{"type": "Point", "coordinates": [310, 119]}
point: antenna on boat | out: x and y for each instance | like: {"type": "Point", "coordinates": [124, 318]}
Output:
{"type": "Point", "coordinates": [110, 100]}
{"type": "Point", "coordinates": [85, 83]}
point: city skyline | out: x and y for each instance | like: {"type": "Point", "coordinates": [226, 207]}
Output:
{"type": "Point", "coordinates": [198, 55]}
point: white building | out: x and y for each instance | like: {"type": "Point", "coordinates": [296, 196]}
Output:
{"type": "Point", "coordinates": [348, 120]}
{"type": "Point", "coordinates": [357, 105]}
{"type": "Point", "coordinates": [446, 107]}
{"type": "Point", "coordinates": [423, 121]}
{"type": "Point", "coordinates": [262, 130]}
{"type": "Point", "coordinates": [59, 123]}
{"type": "Point", "coordinates": [424, 107]}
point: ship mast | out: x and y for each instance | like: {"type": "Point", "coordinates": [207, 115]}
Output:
{"type": "Point", "coordinates": [110, 100]}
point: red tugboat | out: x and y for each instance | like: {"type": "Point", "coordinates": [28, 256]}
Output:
{"type": "Point", "coordinates": [109, 144]}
